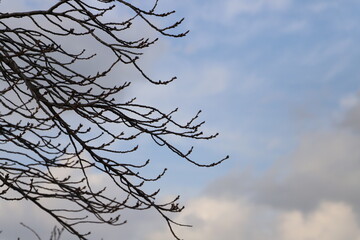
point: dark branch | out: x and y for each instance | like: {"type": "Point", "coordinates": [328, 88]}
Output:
{"type": "Point", "coordinates": [43, 90]}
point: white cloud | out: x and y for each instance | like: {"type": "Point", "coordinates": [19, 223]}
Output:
{"type": "Point", "coordinates": [213, 219]}
{"type": "Point", "coordinates": [331, 221]}
{"type": "Point", "coordinates": [218, 218]}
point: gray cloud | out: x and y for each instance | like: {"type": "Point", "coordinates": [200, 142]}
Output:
{"type": "Point", "coordinates": [352, 119]}
{"type": "Point", "coordinates": [312, 193]}
{"type": "Point", "coordinates": [324, 166]}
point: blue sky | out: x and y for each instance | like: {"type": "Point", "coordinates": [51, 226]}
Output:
{"type": "Point", "coordinates": [280, 81]}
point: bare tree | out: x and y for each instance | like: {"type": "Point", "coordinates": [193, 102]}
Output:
{"type": "Point", "coordinates": [43, 88]}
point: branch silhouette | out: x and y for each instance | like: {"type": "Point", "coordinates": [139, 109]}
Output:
{"type": "Point", "coordinates": [42, 91]}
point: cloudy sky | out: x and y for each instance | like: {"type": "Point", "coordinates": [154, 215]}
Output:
{"type": "Point", "coordinates": [279, 79]}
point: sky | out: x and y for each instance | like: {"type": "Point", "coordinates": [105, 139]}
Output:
{"type": "Point", "coordinates": [279, 80]}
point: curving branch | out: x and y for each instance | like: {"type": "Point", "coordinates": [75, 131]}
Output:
{"type": "Point", "coordinates": [42, 91]}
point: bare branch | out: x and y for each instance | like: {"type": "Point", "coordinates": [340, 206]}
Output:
{"type": "Point", "coordinates": [42, 91]}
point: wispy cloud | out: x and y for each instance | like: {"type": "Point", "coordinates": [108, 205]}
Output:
{"type": "Point", "coordinates": [235, 7]}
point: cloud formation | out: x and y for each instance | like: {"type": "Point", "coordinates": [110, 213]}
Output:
{"type": "Point", "coordinates": [312, 193]}
{"type": "Point", "coordinates": [332, 221]}
{"type": "Point", "coordinates": [262, 57]}
{"type": "Point", "coordinates": [239, 219]}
